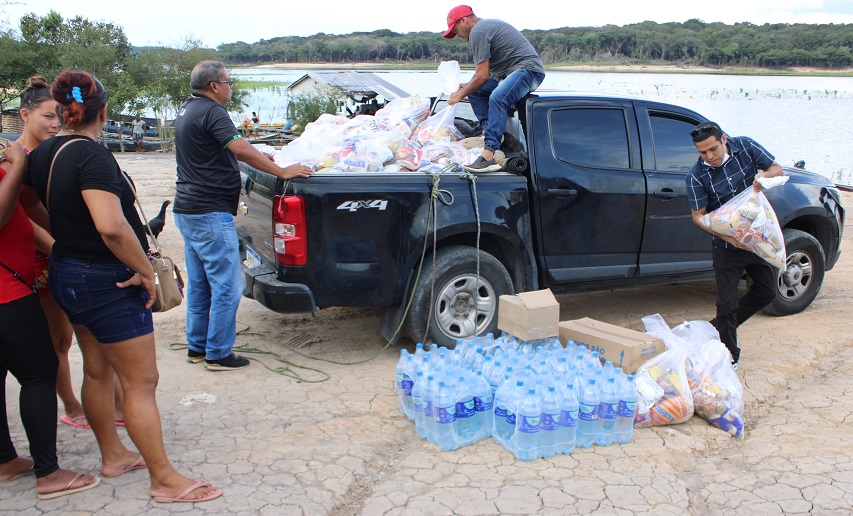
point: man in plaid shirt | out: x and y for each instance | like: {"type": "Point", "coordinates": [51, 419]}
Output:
{"type": "Point", "coordinates": [726, 167]}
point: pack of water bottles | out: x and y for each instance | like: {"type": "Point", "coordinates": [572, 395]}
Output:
{"type": "Point", "coordinates": [536, 398]}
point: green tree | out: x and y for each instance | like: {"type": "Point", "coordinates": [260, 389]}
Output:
{"type": "Point", "coordinates": [306, 107]}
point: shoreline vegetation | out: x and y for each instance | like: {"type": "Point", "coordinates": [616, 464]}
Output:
{"type": "Point", "coordinates": [575, 67]}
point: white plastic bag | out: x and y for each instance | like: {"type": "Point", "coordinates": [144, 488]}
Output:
{"type": "Point", "coordinates": [450, 75]}
{"type": "Point", "coordinates": [749, 218]}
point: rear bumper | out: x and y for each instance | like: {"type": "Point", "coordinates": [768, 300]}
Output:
{"type": "Point", "coordinates": [261, 284]}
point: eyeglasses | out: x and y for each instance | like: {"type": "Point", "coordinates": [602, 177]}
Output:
{"type": "Point", "coordinates": [229, 81]}
{"type": "Point", "coordinates": [706, 129]}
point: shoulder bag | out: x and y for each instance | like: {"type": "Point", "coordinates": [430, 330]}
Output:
{"type": "Point", "coordinates": [169, 285]}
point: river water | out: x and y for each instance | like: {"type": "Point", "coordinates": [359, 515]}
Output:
{"type": "Point", "coordinates": [794, 118]}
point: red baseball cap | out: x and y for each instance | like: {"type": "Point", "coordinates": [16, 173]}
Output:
{"type": "Point", "coordinates": [453, 17]}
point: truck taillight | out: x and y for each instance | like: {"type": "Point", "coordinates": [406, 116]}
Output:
{"type": "Point", "coordinates": [289, 235]}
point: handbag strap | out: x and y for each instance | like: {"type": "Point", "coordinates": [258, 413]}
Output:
{"type": "Point", "coordinates": [139, 204]}
{"type": "Point", "coordinates": [50, 172]}
{"type": "Point", "coordinates": [20, 278]}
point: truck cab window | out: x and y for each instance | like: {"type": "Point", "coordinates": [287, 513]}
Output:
{"type": "Point", "coordinates": [590, 137]}
{"type": "Point", "coordinates": [674, 149]}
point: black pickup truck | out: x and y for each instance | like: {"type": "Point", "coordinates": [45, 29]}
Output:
{"type": "Point", "coordinates": [598, 201]}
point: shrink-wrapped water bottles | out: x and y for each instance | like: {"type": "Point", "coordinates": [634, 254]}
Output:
{"type": "Point", "coordinates": [537, 399]}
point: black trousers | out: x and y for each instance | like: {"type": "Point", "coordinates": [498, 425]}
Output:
{"type": "Point", "coordinates": [26, 351]}
{"type": "Point", "coordinates": [729, 266]}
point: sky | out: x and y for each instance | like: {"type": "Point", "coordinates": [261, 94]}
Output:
{"type": "Point", "coordinates": [162, 22]}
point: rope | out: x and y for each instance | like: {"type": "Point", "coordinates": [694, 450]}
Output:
{"type": "Point", "coordinates": [473, 179]}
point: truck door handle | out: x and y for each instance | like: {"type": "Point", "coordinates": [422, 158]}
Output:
{"type": "Point", "coordinates": [666, 193]}
{"type": "Point", "coordinates": [562, 191]}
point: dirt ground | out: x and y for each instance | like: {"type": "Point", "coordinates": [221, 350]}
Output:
{"type": "Point", "coordinates": [279, 446]}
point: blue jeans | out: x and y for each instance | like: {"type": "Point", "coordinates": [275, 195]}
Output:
{"type": "Point", "coordinates": [214, 281]}
{"type": "Point", "coordinates": [493, 100]}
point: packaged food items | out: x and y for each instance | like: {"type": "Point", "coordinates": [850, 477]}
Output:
{"type": "Point", "coordinates": [663, 392]}
{"type": "Point", "coordinates": [750, 219]}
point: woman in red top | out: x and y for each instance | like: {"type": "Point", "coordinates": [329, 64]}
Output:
{"type": "Point", "coordinates": [25, 347]}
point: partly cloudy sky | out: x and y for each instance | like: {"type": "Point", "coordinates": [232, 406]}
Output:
{"type": "Point", "coordinates": [217, 21]}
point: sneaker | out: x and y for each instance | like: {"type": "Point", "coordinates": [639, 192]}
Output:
{"type": "Point", "coordinates": [483, 165]}
{"type": "Point", "coordinates": [194, 357]}
{"type": "Point", "coordinates": [228, 363]}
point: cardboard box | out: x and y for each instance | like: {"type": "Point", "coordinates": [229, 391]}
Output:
{"type": "Point", "coordinates": [626, 348]}
{"type": "Point", "coordinates": [529, 315]}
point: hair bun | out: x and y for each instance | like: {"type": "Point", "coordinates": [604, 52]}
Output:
{"type": "Point", "coordinates": [35, 82]}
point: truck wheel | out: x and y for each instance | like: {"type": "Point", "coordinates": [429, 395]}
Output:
{"type": "Point", "coordinates": [455, 313]}
{"type": "Point", "coordinates": [800, 282]}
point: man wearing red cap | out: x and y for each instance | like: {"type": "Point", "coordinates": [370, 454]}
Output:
{"type": "Point", "coordinates": [508, 68]}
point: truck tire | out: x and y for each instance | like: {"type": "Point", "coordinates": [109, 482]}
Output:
{"type": "Point", "coordinates": [454, 314]}
{"type": "Point", "coordinates": [800, 283]}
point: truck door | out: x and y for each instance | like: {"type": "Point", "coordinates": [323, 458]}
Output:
{"type": "Point", "coordinates": [672, 243]}
{"type": "Point", "coordinates": [590, 188]}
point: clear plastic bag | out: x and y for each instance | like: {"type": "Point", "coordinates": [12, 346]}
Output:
{"type": "Point", "coordinates": [664, 396]}
{"type": "Point", "coordinates": [716, 391]}
{"type": "Point", "coordinates": [750, 219]}
{"type": "Point", "coordinates": [450, 76]}
{"type": "Point", "coordinates": [403, 114]}
{"type": "Point", "coordinates": [438, 128]}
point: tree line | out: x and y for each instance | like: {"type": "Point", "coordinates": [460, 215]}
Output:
{"type": "Point", "coordinates": [134, 78]}
{"type": "Point", "coordinates": [692, 42]}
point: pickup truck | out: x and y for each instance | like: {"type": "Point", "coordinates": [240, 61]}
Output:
{"type": "Point", "coordinates": [597, 201]}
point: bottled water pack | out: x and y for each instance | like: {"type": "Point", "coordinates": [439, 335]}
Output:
{"type": "Point", "coordinates": [537, 399]}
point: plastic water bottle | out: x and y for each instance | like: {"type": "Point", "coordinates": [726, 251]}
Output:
{"type": "Point", "coordinates": [429, 408]}
{"type": "Point", "coordinates": [418, 402]}
{"type": "Point", "coordinates": [465, 430]}
{"type": "Point", "coordinates": [477, 360]}
{"type": "Point", "coordinates": [607, 412]}
{"type": "Point", "coordinates": [445, 417]}
{"type": "Point", "coordinates": [566, 433]}
{"type": "Point", "coordinates": [404, 384]}
{"type": "Point", "coordinates": [609, 370]}
{"type": "Point", "coordinates": [517, 394]}
{"type": "Point", "coordinates": [503, 397]}
{"type": "Point", "coordinates": [526, 437]}
{"type": "Point", "coordinates": [626, 412]}
{"type": "Point", "coordinates": [483, 406]}
{"type": "Point", "coordinates": [549, 425]}
{"type": "Point", "coordinates": [587, 431]}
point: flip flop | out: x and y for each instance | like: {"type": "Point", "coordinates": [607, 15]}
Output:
{"type": "Point", "coordinates": [73, 421]}
{"type": "Point", "coordinates": [69, 490]}
{"type": "Point", "coordinates": [119, 422]}
{"type": "Point", "coordinates": [139, 463]}
{"type": "Point", "coordinates": [19, 475]}
{"type": "Point", "coordinates": [216, 493]}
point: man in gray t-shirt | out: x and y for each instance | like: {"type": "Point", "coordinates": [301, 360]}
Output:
{"type": "Point", "coordinates": [508, 69]}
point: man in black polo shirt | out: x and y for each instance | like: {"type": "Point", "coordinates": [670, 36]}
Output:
{"type": "Point", "coordinates": [208, 146]}
{"type": "Point", "coordinates": [726, 167]}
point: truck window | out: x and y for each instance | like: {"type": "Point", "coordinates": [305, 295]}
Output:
{"type": "Point", "coordinates": [591, 137]}
{"type": "Point", "coordinates": [674, 149]}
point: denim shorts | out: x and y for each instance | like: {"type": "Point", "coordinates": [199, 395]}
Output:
{"type": "Point", "coordinates": [88, 294]}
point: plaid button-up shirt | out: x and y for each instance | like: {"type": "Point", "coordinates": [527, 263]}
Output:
{"type": "Point", "coordinates": [711, 187]}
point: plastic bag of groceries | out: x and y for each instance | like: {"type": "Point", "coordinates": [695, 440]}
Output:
{"type": "Point", "coordinates": [750, 219]}
{"type": "Point", "coordinates": [403, 114]}
{"type": "Point", "coordinates": [438, 128]}
{"type": "Point", "coordinates": [663, 392]}
{"type": "Point", "coordinates": [716, 390]}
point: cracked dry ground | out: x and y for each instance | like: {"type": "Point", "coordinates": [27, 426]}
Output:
{"type": "Point", "coordinates": [277, 446]}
